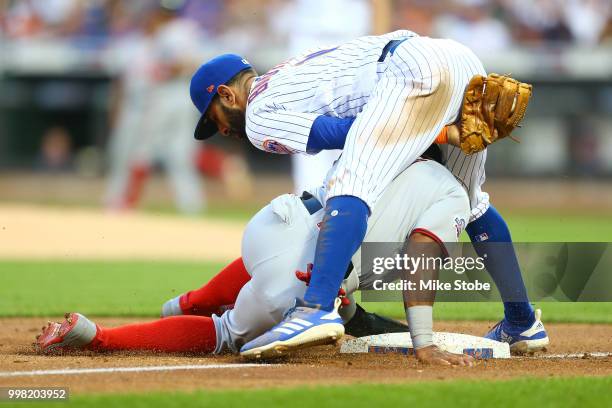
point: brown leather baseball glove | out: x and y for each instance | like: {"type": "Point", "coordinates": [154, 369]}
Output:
{"type": "Point", "coordinates": [492, 108]}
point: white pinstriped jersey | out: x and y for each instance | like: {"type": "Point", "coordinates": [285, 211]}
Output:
{"type": "Point", "coordinates": [399, 103]}
{"type": "Point", "coordinates": [334, 81]}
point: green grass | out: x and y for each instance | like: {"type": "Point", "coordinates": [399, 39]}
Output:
{"type": "Point", "coordinates": [137, 288]}
{"type": "Point", "coordinates": [531, 227]}
{"type": "Point", "coordinates": [541, 393]}
{"type": "Point", "coordinates": [98, 288]}
{"type": "Point", "coordinates": [104, 288]}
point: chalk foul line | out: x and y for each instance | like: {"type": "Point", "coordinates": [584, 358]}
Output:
{"type": "Point", "coordinates": [141, 369]}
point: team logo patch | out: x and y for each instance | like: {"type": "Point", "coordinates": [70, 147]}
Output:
{"type": "Point", "coordinates": [210, 88]}
{"type": "Point", "coordinates": [273, 146]}
{"type": "Point", "coordinates": [459, 225]}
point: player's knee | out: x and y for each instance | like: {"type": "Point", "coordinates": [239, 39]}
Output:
{"type": "Point", "coordinates": [420, 238]}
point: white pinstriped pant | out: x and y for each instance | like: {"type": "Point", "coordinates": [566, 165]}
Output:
{"type": "Point", "coordinates": [419, 92]}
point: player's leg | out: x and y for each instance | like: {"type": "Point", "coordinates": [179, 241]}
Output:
{"type": "Point", "coordinates": [488, 231]}
{"type": "Point", "coordinates": [178, 150]}
{"type": "Point", "coordinates": [122, 147]}
{"type": "Point", "coordinates": [218, 294]}
{"type": "Point", "coordinates": [171, 335]}
{"type": "Point", "coordinates": [521, 326]}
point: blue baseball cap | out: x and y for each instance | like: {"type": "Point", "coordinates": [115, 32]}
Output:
{"type": "Point", "coordinates": [204, 84]}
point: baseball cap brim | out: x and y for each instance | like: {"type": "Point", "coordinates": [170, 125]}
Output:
{"type": "Point", "coordinates": [205, 128]}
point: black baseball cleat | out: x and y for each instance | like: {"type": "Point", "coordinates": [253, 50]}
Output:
{"type": "Point", "coordinates": [367, 324]}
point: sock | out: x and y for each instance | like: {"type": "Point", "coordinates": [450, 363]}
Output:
{"type": "Point", "coordinates": [138, 176]}
{"type": "Point", "coordinates": [209, 161]}
{"type": "Point", "coordinates": [222, 290]}
{"type": "Point", "coordinates": [342, 231]}
{"type": "Point", "coordinates": [485, 233]}
{"type": "Point", "coordinates": [170, 335]}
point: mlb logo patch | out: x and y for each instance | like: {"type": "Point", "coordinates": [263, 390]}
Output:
{"type": "Point", "coordinates": [482, 237]}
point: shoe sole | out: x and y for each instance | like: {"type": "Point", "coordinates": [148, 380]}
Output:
{"type": "Point", "coordinates": [528, 346]}
{"type": "Point", "coordinates": [79, 336]}
{"type": "Point", "coordinates": [317, 336]}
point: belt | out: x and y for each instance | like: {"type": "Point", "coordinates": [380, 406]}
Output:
{"type": "Point", "coordinates": [390, 48]}
{"type": "Point", "coordinates": [310, 202]}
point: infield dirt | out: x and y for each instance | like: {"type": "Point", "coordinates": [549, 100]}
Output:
{"type": "Point", "coordinates": [322, 365]}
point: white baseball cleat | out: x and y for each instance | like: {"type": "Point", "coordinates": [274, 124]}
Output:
{"type": "Point", "coordinates": [302, 327]}
{"type": "Point", "coordinates": [522, 340]}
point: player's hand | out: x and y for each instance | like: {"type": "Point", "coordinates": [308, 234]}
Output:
{"type": "Point", "coordinates": [434, 356]}
{"type": "Point", "coordinates": [305, 277]}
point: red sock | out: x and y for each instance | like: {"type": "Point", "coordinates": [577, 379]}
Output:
{"type": "Point", "coordinates": [138, 176]}
{"type": "Point", "coordinates": [172, 334]}
{"type": "Point", "coordinates": [209, 160]}
{"type": "Point", "coordinates": [222, 290]}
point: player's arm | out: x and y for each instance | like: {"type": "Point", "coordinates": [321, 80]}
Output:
{"type": "Point", "coordinates": [419, 303]}
{"type": "Point", "coordinates": [286, 132]}
{"type": "Point", "coordinates": [279, 131]}
{"type": "Point", "coordinates": [449, 135]}
{"type": "Point", "coordinates": [328, 133]}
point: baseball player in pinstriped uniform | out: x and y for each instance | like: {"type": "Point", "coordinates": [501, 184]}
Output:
{"type": "Point", "coordinates": [383, 100]}
{"type": "Point", "coordinates": [261, 285]}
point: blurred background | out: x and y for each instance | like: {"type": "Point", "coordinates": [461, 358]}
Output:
{"type": "Point", "coordinates": [95, 108]}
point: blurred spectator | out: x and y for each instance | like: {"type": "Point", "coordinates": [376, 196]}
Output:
{"type": "Point", "coordinates": [55, 41]}
{"type": "Point", "coordinates": [208, 14]}
{"type": "Point", "coordinates": [538, 20]}
{"type": "Point", "coordinates": [55, 151]}
{"type": "Point", "coordinates": [587, 19]}
{"type": "Point", "coordinates": [415, 15]}
{"type": "Point", "coordinates": [245, 23]}
{"type": "Point", "coordinates": [471, 22]}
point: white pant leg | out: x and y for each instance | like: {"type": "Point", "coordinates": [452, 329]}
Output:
{"type": "Point", "coordinates": [278, 240]}
{"type": "Point", "coordinates": [123, 144]}
{"type": "Point", "coordinates": [171, 128]}
{"type": "Point", "coordinates": [419, 93]}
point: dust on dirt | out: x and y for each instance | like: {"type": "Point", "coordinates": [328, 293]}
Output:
{"type": "Point", "coordinates": [322, 365]}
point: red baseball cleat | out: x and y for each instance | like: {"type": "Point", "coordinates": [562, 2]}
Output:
{"type": "Point", "coordinates": [75, 332]}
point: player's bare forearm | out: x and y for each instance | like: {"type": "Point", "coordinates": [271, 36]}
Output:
{"type": "Point", "coordinates": [421, 245]}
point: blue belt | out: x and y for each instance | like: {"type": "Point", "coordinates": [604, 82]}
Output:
{"type": "Point", "coordinates": [310, 202]}
{"type": "Point", "coordinates": [390, 48]}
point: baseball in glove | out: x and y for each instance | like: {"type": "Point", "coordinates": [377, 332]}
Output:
{"type": "Point", "coordinates": [492, 107]}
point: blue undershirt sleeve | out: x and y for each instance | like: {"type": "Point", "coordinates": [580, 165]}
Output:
{"type": "Point", "coordinates": [328, 133]}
